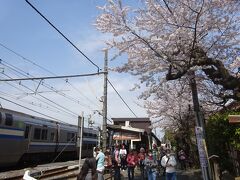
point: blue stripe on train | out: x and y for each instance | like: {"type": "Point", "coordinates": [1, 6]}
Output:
{"type": "Point", "coordinates": [11, 128]}
{"type": "Point", "coordinates": [4, 136]}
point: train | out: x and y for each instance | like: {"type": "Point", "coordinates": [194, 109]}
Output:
{"type": "Point", "coordinates": [25, 138]}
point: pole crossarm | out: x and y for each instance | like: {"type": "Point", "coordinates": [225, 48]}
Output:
{"type": "Point", "coordinates": [53, 77]}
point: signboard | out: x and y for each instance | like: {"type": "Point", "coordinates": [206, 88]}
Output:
{"type": "Point", "coordinates": [126, 136]}
{"type": "Point", "coordinates": [234, 118]}
{"type": "Point", "coordinates": [201, 147]}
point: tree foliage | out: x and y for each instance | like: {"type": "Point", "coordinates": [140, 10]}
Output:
{"type": "Point", "coordinates": [165, 39]}
{"type": "Point", "coordinates": [221, 136]}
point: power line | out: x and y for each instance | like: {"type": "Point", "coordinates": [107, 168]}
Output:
{"type": "Point", "coordinates": [52, 77]}
{"type": "Point", "coordinates": [46, 98]}
{"type": "Point", "coordinates": [41, 100]}
{"type": "Point", "coordinates": [26, 59]}
{"type": "Point", "coordinates": [63, 35]}
{"type": "Point", "coordinates": [12, 67]}
{"type": "Point", "coordinates": [121, 97]}
{"type": "Point", "coordinates": [34, 104]}
{"type": "Point", "coordinates": [41, 67]}
{"type": "Point", "coordinates": [28, 108]}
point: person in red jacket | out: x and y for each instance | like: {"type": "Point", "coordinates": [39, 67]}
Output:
{"type": "Point", "coordinates": [131, 163]}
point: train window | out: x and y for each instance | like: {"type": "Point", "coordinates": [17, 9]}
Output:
{"type": "Point", "coordinates": [52, 136]}
{"type": "Point", "coordinates": [9, 119]}
{"type": "Point", "coordinates": [95, 135]}
{"type": "Point", "coordinates": [37, 133]}
{"type": "Point", "coordinates": [85, 134]}
{"type": "Point", "coordinates": [70, 136]}
{"type": "Point", "coordinates": [90, 146]}
{"type": "Point", "coordinates": [26, 132]}
{"type": "Point", "coordinates": [90, 135]}
{"type": "Point", "coordinates": [0, 117]}
{"type": "Point", "coordinates": [44, 134]}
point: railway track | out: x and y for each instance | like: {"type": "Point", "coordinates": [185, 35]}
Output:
{"type": "Point", "coordinates": [65, 172]}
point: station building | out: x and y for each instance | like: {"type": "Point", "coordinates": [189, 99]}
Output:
{"type": "Point", "coordinates": [133, 132]}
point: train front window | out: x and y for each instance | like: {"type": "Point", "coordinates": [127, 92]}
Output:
{"type": "Point", "coordinates": [37, 133]}
{"type": "Point", "coordinates": [9, 119]}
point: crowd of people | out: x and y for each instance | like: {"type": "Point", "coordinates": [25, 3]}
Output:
{"type": "Point", "coordinates": [151, 163]}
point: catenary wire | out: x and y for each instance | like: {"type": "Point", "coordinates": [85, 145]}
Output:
{"type": "Point", "coordinates": [52, 118]}
{"type": "Point", "coordinates": [39, 66]}
{"type": "Point", "coordinates": [45, 97]}
{"type": "Point", "coordinates": [63, 35]}
{"type": "Point", "coordinates": [121, 97]}
{"type": "Point", "coordinates": [28, 60]}
{"type": "Point", "coordinates": [12, 67]}
{"type": "Point", "coordinates": [61, 110]}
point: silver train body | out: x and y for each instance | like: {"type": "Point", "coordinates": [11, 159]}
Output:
{"type": "Point", "coordinates": [26, 138]}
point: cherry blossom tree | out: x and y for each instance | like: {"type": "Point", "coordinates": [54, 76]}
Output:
{"type": "Point", "coordinates": [167, 39]}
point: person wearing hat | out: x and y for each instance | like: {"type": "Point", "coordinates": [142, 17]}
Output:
{"type": "Point", "coordinates": [169, 162]}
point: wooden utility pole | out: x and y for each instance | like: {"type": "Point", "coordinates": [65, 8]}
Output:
{"type": "Point", "coordinates": [104, 128]}
{"type": "Point", "coordinates": [200, 129]}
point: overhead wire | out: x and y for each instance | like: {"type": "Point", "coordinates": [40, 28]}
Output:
{"type": "Point", "coordinates": [63, 36]}
{"type": "Point", "coordinates": [41, 67]}
{"type": "Point", "coordinates": [12, 67]}
{"type": "Point", "coordinates": [121, 97]}
{"type": "Point", "coordinates": [77, 50]}
{"type": "Point", "coordinates": [61, 110]}
{"type": "Point", "coordinates": [32, 62]}
{"type": "Point", "coordinates": [45, 98]}
{"type": "Point", "coordinates": [40, 105]}
{"type": "Point", "coordinates": [52, 118]}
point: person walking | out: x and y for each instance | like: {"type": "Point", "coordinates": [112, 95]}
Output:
{"type": "Point", "coordinates": [123, 155]}
{"type": "Point", "coordinates": [116, 163]}
{"type": "Point", "coordinates": [131, 163]}
{"type": "Point", "coordinates": [151, 166]}
{"type": "Point", "coordinates": [182, 159]}
{"type": "Point", "coordinates": [88, 170]}
{"type": "Point", "coordinates": [141, 158]}
{"type": "Point", "coordinates": [108, 159]}
{"type": "Point", "coordinates": [169, 162]}
{"type": "Point", "coordinates": [100, 163]}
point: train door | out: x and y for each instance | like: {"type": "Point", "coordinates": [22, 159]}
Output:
{"type": "Point", "coordinates": [27, 135]}
{"type": "Point", "coordinates": [57, 138]}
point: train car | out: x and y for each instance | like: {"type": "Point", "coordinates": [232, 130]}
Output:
{"type": "Point", "coordinates": [26, 138]}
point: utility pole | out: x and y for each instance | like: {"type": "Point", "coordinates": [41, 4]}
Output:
{"type": "Point", "coordinates": [104, 127]}
{"type": "Point", "coordinates": [199, 129]}
{"type": "Point", "coordinates": [80, 134]}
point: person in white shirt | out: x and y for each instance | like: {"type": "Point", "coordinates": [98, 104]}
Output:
{"type": "Point", "coordinates": [123, 156]}
{"type": "Point", "coordinates": [169, 162]}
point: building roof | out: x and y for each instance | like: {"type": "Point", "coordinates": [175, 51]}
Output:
{"type": "Point", "coordinates": [132, 119]}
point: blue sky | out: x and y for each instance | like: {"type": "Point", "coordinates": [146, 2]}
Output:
{"type": "Point", "coordinates": [25, 32]}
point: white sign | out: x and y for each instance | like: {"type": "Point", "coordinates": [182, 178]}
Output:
{"type": "Point", "coordinates": [201, 147]}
